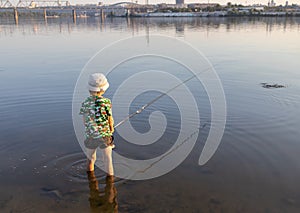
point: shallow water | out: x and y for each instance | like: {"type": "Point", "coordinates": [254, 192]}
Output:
{"type": "Point", "coordinates": [255, 169]}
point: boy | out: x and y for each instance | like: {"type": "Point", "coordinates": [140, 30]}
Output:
{"type": "Point", "coordinates": [98, 122]}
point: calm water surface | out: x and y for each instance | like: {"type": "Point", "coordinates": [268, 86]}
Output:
{"type": "Point", "coordinates": [255, 169]}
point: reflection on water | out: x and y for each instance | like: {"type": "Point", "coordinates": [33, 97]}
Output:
{"type": "Point", "coordinates": [102, 200]}
{"type": "Point", "coordinates": [256, 168]}
{"type": "Point", "coordinates": [136, 25]}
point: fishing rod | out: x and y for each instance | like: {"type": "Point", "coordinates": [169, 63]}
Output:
{"type": "Point", "coordinates": [157, 98]}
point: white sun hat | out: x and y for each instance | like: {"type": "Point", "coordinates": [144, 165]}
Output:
{"type": "Point", "coordinates": [97, 82]}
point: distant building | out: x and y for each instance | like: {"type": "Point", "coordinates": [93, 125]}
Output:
{"type": "Point", "coordinates": [286, 3]}
{"type": "Point", "coordinates": [201, 5]}
{"type": "Point", "coordinates": [251, 9]}
{"type": "Point", "coordinates": [165, 6]}
{"type": "Point", "coordinates": [179, 1]}
{"type": "Point", "coordinates": [272, 3]}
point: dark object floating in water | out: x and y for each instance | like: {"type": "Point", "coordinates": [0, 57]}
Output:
{"type": "Point", "coordinates": [214, 201]}
{"type": "Point", "coordinates": [270, 86]}
{"type": "Point", "coordinates": [54, 193]}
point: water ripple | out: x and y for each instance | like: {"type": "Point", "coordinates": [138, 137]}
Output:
{"type": "Point", "coordinates": [73, 167]}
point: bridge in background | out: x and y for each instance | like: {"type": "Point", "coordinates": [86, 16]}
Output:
{"type": "Point", "coordinates": [64, 7]}
{"type": "Point", "coordinates": [63, 3]}
{"type": "Point", "coordinates": [32, 4]}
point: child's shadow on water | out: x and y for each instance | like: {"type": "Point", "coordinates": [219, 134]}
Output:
{"type": "Point", "coordinates": [104, 200]}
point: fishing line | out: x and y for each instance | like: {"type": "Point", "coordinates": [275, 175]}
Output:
{"type": "Point", "coordinates": [158, 97]}
{"type": "Point", "coordinates": [175, 148]}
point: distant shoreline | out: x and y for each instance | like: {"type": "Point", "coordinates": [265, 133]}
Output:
{"type": "Point", "coordinates": [52, 12]}
{"type": "Point", "coordinates": [40, 14]}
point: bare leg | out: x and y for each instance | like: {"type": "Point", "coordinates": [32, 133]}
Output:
{"type": "Point", "coordinates": [91, 153]}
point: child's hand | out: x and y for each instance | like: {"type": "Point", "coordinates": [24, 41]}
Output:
{"type": "Point", "coordinates": [111, 124]}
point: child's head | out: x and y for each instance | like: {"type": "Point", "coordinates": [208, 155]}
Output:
{"type": "Point", "coordinates": [97, 84]}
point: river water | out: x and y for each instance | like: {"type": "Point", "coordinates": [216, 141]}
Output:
{"type": "Point", "coordinates": [255, 169]}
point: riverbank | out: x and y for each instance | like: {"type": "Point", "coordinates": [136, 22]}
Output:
{"type": "Point", "coordinates": [216, 14]}
{"type": "Point", "coordinates": [56, 12]}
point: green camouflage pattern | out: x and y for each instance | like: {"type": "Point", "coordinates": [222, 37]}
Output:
{"type": "Point", "coordinates": [96, 111]}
